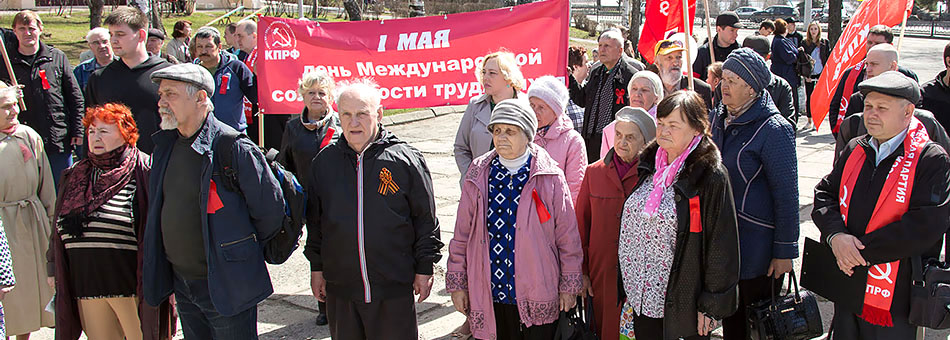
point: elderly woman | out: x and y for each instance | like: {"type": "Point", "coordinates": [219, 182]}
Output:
{"type": "Point", "coordinates": [679, 252]}
{"type": "Point", "coordinates": [644, 90]}
{"type": "Point", "coordinates": [100, 216]}
{"type": "Point", "coordinates": [511, 282]}
{"type": "Point", "coordinates": [317, 127]}
{"type": "Point", "coordinates": [27, 198]}
{"type": "Point", "coordinates": [501, 79]}
{"type": "Point", "coordinates": [606, 185]}
{"type": "Point", "coordinates": [548, 98]}
{"type": "Point", "coordinates": [758, 148]}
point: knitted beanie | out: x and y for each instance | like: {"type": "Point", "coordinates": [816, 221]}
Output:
{"type": "Point", "coordinates": [749, 66]}
{"type": "Point", "coordinates": [515, 112]}
{"type": "Point", "coordinates": [551, 91]}
{"type": "Point", "coordinates": [643, 120]}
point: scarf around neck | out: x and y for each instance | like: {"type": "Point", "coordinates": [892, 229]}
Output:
{"type": "Point", "coordinates": [92, 182]}
{"type": "Point", "coordinates": [665, 174]}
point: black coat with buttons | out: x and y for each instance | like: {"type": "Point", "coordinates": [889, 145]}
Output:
{"type": "Point", "coordinates": [704, 275]}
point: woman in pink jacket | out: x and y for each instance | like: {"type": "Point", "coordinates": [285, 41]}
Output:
{"type": "Point", "coordinates": [548, 97]}
{"type": "Point", "coordinates": [515, 216]}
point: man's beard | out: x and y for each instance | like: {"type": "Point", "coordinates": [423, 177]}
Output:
{"type": "Point", "coordinates": [169, 122]}
{"type": "Point", "coordinates": [672, 76]}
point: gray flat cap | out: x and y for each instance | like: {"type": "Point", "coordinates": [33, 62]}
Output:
{"type": "Point", "coordinates": [188, 73]}
{"type": "Point", "coordinates": [759, 44]}
{"type": "Point", "coordinates": [892, 83]}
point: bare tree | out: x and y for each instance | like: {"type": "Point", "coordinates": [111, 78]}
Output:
{"type": "Point", "coordinates": [353, 10]}
{"type": "Point", "coordinates": [635, 21]}
{"type": "Point", "coordinates": [834, 21]}
{"type": "Point", "coordinates": [95, 13]}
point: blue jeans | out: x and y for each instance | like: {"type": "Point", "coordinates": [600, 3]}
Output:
{"type": "Point", "coordinates": [59, 161]}
{"type": "Point", "coordinates": [200, 320]}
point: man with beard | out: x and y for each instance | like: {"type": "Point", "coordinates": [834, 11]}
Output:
{"type": "Point", "coordinates": [126, 80]}
{"type": "Point", "coordinates": [232, 79]}
{"type": "Point", "coordinates": [669, 64]}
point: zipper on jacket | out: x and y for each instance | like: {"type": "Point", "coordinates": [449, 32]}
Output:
{"type": "Point", "coordinates": [367, 292]}
{"type": "Point", "coordinates": [248, 237]}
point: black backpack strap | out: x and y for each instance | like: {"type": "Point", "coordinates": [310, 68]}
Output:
{"type": "Point", "coordinates": [223, 150]}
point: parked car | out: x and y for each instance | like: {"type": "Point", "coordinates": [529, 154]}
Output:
{"type": "Point", "coordinates": [774, 12]}
{"type": "Point", "coordinates": [745, 13]}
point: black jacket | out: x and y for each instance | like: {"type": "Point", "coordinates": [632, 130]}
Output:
{"type": "Point", "coordinates": [585, 95]}
{"type": "Point", "coordinates": [781, 93]}
{"type": "Point", "coordinates": [935, 97]}
{"type": "Point", "coordinates": [371, 219]}
{"type": "Point", "coordinates": [701, 87]}
{"type": "Point", "coordinates": [300, 145]}
{"type": "Point", "coordinates": [919, 230]}
{"type": "Point", "coordinates": [132, 87]}
{"type": "Point", "coordinates": [702, 56]}
{"type": "Point", "coordinates": [55, 113]}
{"type": "Point", "coordinates": [853, 126]}
{"type": "Point", "coordinates": [704, 275]}
{"type": "Point", "coordinates": [835, 103]}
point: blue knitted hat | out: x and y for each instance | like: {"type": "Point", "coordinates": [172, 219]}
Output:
{"type": "Point", "coordinates": [749, 66]}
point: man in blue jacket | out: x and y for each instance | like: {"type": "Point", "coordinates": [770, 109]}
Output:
{"type": "Point", "coordinates": [203, 242]}
{"type": "Point", "coordinates": [233, 81]}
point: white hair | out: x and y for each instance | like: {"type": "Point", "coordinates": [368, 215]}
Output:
{"type": "Point", "coordinates": [98, 31]}
{"type": "Point", "coordinates": [654, 80]}
{"type": "Point", "coordinates": [613, 34]}
{"type": "Point", "coordinates": [362, 87]}
{"type": "Point", "coordinates": [193, 89]}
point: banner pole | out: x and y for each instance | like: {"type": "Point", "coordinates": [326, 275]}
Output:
{"type": "Point", "coordinates": [260, 130]}
{"type": "Point", "coordinates": [687, 38]}
{"type": "Point", "coordinates": [900, 39]}
{"type": "Point", "coordinates": [6, 61]}
{"type": "Point", "coordinates": [709, 36]}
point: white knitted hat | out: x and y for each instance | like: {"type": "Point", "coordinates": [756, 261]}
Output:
{"type": "Point", "coordinates": [551, 91]}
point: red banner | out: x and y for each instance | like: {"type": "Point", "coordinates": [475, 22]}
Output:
{"type": "Point", "coordinates": [418, 62]}
{"type": "Point", "coordinates": [851, 49]}
{"type": "Point", "coordinates": [662, 18]}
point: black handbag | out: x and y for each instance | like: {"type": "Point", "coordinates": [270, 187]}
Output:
{"type": "Point", "coordinates": [578, 324]}
{"type": "Point", "coordinates": [930, 292]}
{"type": "Point", "coordinates": [786, 317]}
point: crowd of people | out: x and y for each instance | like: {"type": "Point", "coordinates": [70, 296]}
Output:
{"type": "Point", "coordinates": [131, 190]}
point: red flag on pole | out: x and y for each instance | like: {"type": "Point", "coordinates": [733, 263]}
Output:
{"type": "Point", "coordinates": [851, 49]}
{"type": "Point", "coordinates": [662, 18]}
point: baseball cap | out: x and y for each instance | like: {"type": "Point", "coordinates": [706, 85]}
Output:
{"type": "Point", "coordinates": [668, 46]}
{"type": "Point", "coordinates": [728, 19]}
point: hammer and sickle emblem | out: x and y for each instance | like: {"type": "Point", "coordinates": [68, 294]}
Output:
{"type": "Point", "coordinates": [282, 39]}
{"type": "Point", "coordinates": [882, 274]}
{"type": "Point", "coordinates": [843, 201]}
{"type": "Point", "coordinates": [665, 8]}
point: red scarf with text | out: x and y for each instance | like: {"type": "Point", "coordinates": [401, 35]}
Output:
{"type": "Point", "coordinates": [891, 205]}
{"type": "Point", "coordinates": [846, 94]}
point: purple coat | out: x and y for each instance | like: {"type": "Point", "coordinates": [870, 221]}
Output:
{"type": "Point", "coordinates": [545, 252]}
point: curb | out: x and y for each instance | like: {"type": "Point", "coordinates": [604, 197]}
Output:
{"type": "Point", "coordinates": [415, 116]}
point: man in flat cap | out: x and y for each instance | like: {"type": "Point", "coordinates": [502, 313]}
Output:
{"type": "Point", "coordinates": [156, 38]}
{"type": "Point", "coordinates": [206, 223]}
{"type": "Point", "coordinates": [884, 203]}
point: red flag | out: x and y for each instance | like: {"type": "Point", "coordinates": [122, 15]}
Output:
{"type": "Point", "coordinates": [850, 49]}
{"type": "Point", "coordinates": [662, 18]}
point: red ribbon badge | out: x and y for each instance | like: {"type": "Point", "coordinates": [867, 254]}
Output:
{"type": "Point", "coordinates": [45, 81]}
{"type": "Point", "coordinates": [327, 137]}
{"type": "Point", "coordinates": [543, 213]}
{"type": "Point", "coordinates": [621, 95]}
{"type": "Point", "coordinates": [695, 218]}
{"type": "Point", "coordinates": [214, 201]}
{"type": "Point", "coordinates": [224, 84]}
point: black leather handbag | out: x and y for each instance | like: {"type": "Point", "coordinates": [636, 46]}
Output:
{"type": "Point", "coordinates": [930, 292]}
{"type": "Point", "coordinates": [578, 324]}
{"type": "Point", "coordinates": [786, 317]}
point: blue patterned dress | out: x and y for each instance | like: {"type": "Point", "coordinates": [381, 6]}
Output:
{"type": "Point", "coordinates": [6, 273]}
{"type": "Point", "coordinates": [504, 191]}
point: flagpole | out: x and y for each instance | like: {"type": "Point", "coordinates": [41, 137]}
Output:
{"type": "Point", "coordinates": [709, 36]}
{"type": "Point", "coordinates": [260, 129]}
{"type": "Point", "coordinates": [687, 38]}
{"type": "Point", "coordinates": [900, 39]}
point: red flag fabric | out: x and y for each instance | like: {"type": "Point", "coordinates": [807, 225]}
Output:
{"type": "Point", "coordinates": [851, 49]}
{"type": "Point", "coordinates": [418, 62]}
{"type": "Point", "coordinates": [662, 18]}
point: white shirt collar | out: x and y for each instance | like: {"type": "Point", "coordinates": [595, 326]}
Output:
{"type": "Point", "coordinates": [888, 147]}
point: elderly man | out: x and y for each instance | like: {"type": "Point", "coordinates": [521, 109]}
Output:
{"type": "Point", "coordinates": [864, 213]}
{"type": "Point", "coordinates": [371, 196]}
{"type": "Point", "coordinates": [669, 63]}
{"type": "Point", "coordinates": [879, 59]}
{"type": "Point", "coordinates": [154, 45]}
{"type": "Point", "coordinates": [98, 41]}
{"type": "Point", "coordinates": [850, 78]}
{"type": "Point", "coordinates": [232, 79]}
{"type": "Point", "coordinates": [604, 92]}
{"type": "Point", "coordinates": [126, 80]}
{"type": "Point", "coordinates": [778, 88]}
{"type": "Point", "coordinates": [727, 30]}
{"type": "Point", "coordinates": [54, 103]}
{"type": "Point", "coordinates": [205, 230]}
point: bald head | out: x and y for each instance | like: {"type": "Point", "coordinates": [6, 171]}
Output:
{"type": "Point", "coordinates": [881, 58]}
{"type": "Point", "coordinates": [358, 103]}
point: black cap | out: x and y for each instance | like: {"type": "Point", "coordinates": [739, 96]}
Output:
{"type": "Point", "coordinates": [759, 44]}
{"type": "Point", "coordinates": [894, 84]}
{"type": "Point", "coordinates": [154, 32]}
{"type": "Point", "coordinates": [729, 19]}
{"type": "Point", "coordinates": [790, 20]}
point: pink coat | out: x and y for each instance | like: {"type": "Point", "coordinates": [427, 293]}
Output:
{"type": "Point", "coordinates": [545, 253]}
{"type": "Point", "coordinates": [566, 147]}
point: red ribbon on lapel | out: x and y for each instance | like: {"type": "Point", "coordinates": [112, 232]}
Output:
{"type": "Point", "coordinates": [543, 214]}
{"type": "Point", "coordinates": [621, 93]}
{"type": "Point", "coordinates": [327, 137]}
{"type": "Point", "coordinates": [45, 81]}
{"type": "Point", "coordinates": [695, 218]}
{"type": "Point", "coordinates": [214, 201]}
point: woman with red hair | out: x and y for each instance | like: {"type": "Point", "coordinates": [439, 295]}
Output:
{"type": "Point", "coordinates": [95, 252]}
